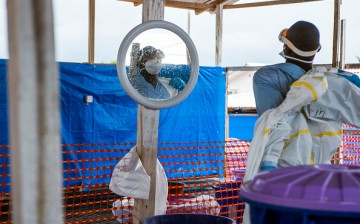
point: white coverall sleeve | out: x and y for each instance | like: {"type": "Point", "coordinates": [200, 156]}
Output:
{"type": "Point", "coordinates": [341, 103]}
{"type": "Point", "coordinates": [275, 145]}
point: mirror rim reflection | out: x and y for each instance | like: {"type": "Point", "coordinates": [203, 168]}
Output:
{"type": "Point", "coordinates": [123, 75]}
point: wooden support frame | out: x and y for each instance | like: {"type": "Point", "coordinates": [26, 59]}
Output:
{"type": "Point", "coordinates": [219, 33]}
{"type": "Point", "coordinates": [210, 6]}
{"type": "Point", "coordinates": [342, 44]}
{"type": "Point", "coordinates": [336, 36]}
{"type": "Point", "coordinates": [36, 177]}
{"type": "Point", "coordinates": [147, 130]}
{"type": "Point", "coordinates": [153, 10]}
{"type": "Point", "coordinates": [227, 121]}
{"type": "Point", "coordinates": [266, 3]}
{"type": "Point", "coordinates": [91, 37]}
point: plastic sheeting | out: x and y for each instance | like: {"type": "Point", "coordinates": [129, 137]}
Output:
{"type": "Point", "coordinates": [112, 116]}
{"type": "Point", "coordinates": [3, 105]}
{"type": "Point", "coordinates": [242, 126]}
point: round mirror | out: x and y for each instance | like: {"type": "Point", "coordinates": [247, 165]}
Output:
{"type": "Point", "coordinates": [157, 64]}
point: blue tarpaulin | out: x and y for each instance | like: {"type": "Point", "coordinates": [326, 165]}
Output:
{"type": "Point", "coordinates": [112, 116]}
{"type": "Point", "coordinates": [242, 126]}
{"type": "Point", "coordinates": [4, 136]}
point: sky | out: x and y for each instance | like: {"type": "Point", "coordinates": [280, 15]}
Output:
{"type": "Point", "coordinates": [250, 35]}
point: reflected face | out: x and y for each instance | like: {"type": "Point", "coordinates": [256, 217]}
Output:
{"type": "Point", "coordinates": [148, 81]}
{"type": "Point", "coordinates": [148, 75]}
{"type": "Point", "coordinates": [150, 66]}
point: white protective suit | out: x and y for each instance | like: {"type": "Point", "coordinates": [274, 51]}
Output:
{"type": "Point", "coordinates": [307, 127]}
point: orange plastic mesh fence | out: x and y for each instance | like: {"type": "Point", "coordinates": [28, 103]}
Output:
{"type": "Point", "coordinates": [349, 153]}
{"type": "Point", "coordinates": [193, 187]}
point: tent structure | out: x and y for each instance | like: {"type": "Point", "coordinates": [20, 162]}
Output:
{"type": "Point", "coordinates": [217, 7]}
{"type": "Point", "coordinates": [34, 104]}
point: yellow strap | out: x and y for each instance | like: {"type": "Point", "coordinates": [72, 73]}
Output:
{"type": "Point", "coordinates": [300, 132]}
{"type": "Point", "coordinates": [329, 133]}
{"type": "Point", "coordinates": [266, 131]}
{"type": "Point", "coordinates": [307, 85]}
{"type": "Point", "coordinates": [322, 82]}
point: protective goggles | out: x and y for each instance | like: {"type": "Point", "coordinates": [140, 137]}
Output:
{"type": "Point", "coordinates": [283, 39]}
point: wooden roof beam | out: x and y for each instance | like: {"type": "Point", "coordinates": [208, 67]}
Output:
{"type": "Point", "coordinates": [212, 10]}
{"type": "Point", "coordinates": [268, 3]}
{"type": "Point", "coordinates": [189, 5]}
{"type": "Point", "coordinates": [220, 2]}
{"type": "Point", "coordinates": [197, 7]}
{"type": "Point", "coordinates": [227, 4]}
{"type": "Point", "coordinates": [135, 2]}
{"type": "Point", "coordinates": [224, 2]}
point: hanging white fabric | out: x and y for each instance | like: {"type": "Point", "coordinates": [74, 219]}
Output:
{"type": "Point", "coordinates": [130, 179]}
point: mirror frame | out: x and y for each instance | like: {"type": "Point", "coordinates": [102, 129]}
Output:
{"type": "Point", "coordinates": [123, 76]}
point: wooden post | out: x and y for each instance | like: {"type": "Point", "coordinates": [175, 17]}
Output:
{"type": "Point", "coordinates": [219, 22]}
{"type": "Point", "coordinates": [188, 32]}
{"type": "Point", "coordinates": [340, 151]}
{"type": "Point", "coordinates": [135, 48]}
{"type": "Point", "coordinates": [153, 10]}
{"type": "Point", "coordinates": [146, 146]}
{"type": "Point", "coordinates": [336, 44]}
{"type": "Point", "coordinates": [91, 38]}
{"type": "Point", "coordinates": [226, 105]}
{"type": "Point", "coordinates": [342, 44]}
{"type": "Point", "coordinates": [147, 130]}
{"type": "Point", "coordinates": [33, 78]}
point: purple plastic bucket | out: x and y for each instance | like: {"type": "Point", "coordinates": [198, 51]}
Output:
{"type": "Point", "coordinates": [237, 174]}
{"type": "Point", "coordinates": [321, 194]}
{"type": "Point", "coordinates": [227, 195]}
{"type": "Point", "coordinates": [187, 218]}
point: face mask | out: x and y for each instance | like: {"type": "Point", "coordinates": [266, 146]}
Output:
{"type": "Point", "coordinates": [282, 54]}
{"type": "Point", "coordinates": [153, 67]}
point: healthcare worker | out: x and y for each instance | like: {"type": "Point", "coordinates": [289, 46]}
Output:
{"type": "Point", "coordinates": [304, 124]}
{"type": "Point", "coordinates": [271, 83]}
{"type": "Point", "coordinates": [306, 128]}
{"type": "Point", "coordinates": [147, 80]}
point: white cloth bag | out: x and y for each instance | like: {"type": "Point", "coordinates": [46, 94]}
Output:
{"type": "Point", "coordinates": [130, 179]}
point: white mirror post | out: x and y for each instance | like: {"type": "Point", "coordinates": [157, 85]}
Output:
{"type": "Point", "coordinates": [147, 130]}
{"type": "Point", "coordinates": [152, 96]}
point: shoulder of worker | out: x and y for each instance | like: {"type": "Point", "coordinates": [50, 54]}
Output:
{"type": "Point", "coordinates": [136, 78]}
{"type": "Point", "coordinates": [279, 71]}
{"type": "Point", "coordinates": [353, 78]}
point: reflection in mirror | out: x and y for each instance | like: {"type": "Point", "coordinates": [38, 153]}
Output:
{"type": "Point", "coordinates": [158, 64]}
